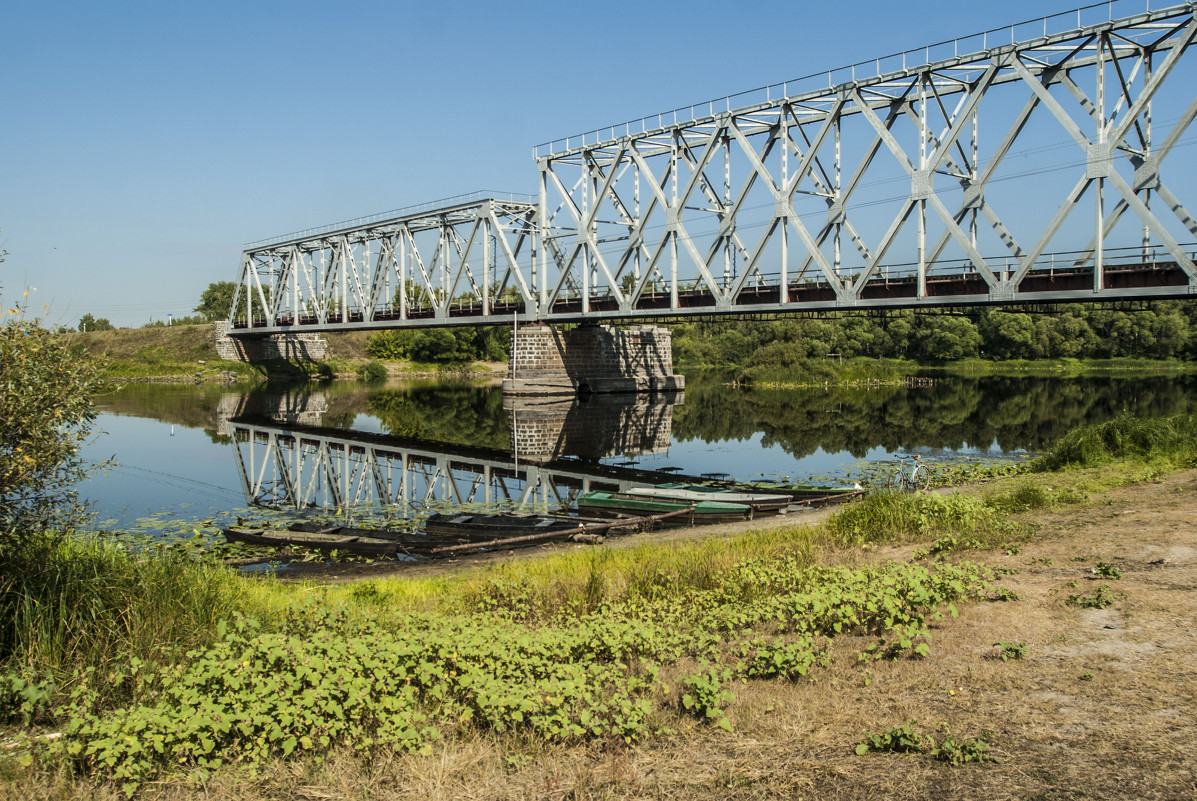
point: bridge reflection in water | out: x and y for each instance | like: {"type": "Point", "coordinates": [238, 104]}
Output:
{"type": "Point", "coordinates": [287, 459]}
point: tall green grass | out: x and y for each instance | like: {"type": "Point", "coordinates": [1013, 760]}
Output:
{"type": "Point", "coordinates": [1165, 441]}
{"type": "Point", "coordinates": [1062, 367]}
{"type": "Point", "coordinates": [802, 372]}
{"type": "Point", "coordinates": [581, 581]}
{"type": "Point", "coordinates": [888, 517]}
{"type": "Point", "coordinates": [69, 603]}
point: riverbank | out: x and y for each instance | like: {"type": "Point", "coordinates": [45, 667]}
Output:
{"type": "Point", "coordinates": [1054, 712]}
{"type": "Point", "coordinates": [1083, 609]}
{"type": "Point", "coordinates": [862, 372]}
{"type": "Point", "coordinates": [1090, 703]}
{"type": "Point", "coordinates": [187, 354]}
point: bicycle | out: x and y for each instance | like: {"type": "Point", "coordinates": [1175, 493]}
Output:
{"type": "Point", "coordinates": [917, 477]}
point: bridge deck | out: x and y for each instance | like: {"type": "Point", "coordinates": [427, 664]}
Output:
{"type": "Point", "coordinates": [1141, 281]}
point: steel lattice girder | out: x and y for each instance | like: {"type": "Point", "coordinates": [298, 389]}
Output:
{"type": "Point", "coordinates": [667, 197]}
{"type": "Point", "coordinates": [904, 188]}
{"type": "Point", "coordinates": [414, 267]}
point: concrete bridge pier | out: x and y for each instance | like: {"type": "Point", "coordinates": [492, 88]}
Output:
{"type": "Point", "coordinates": [591, 359]}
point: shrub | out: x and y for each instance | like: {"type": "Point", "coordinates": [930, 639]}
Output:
{"type": "Point", "coordinates": [391, 345]}
{"type": "Point", "coordinates": [45, 415]}
{"type": "Point", "coordinates": [372, 371]}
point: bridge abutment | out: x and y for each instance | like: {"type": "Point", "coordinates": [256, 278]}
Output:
{"type": "Point", "coordinates": [591, 359]}
{"type": "Point", "coordinates": [290, 347]}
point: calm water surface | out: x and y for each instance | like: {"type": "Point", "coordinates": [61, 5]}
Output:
{"type": "Point", "coordinates": [205, 454]}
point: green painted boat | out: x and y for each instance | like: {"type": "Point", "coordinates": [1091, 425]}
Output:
{"type": "Point", "coordinates": [614, 504]}
{"type": "Point", "coordinates": [798, 493]}
{"type": "Point", "coordinates": [697, 493]}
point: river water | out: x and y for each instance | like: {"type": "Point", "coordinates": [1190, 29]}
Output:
{"type": "Point", "coordinates": [187, 457]}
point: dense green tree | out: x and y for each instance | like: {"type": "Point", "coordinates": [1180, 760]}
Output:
{"type": "Point", "coordinates": [1065, 336]}
{"type": "Point", "coordinates": [441, 345]}
{"type": "Point", "coordinates": [942, 338]}
{"type": "Point", "coordinates": [390, 344]}
{"type": "Point", "coordinates": [899, 329]}
{"type": "Point", "coordinates": [1172, 334]}
{"type": "Point", "coordinates": [1008, 335]}
{"type": "Point", "coordinates": [1164, 330]}
{"type": "Point", "coordinates": [90, 323]}
{"type": "Point", "coordinates": [862, 337]}
{"type": "Point", "coordinates": [216, 301]}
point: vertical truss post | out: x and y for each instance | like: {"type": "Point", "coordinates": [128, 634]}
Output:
{"type": "Point", "coordinates": [1099, 185]}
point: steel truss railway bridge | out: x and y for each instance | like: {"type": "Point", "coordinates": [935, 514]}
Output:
{"type": "Point", "coordinates": [1043, 162]}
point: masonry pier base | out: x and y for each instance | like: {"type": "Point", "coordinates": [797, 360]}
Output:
{"type": "Point", "coordinates": [591, 359]}
{"type": "Point", "coordinates": [304, 347]}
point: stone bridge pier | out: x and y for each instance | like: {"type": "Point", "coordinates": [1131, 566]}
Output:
{"type": "Point", "coordinates": [301, 347]}
{"type": "Point", "coordinates": [591, 359]}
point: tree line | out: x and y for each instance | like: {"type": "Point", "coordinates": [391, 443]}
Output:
{"type": "Point", "coordinates": [1159, 330]}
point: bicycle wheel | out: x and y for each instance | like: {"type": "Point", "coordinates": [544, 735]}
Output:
{"type": "Point", "coordinates": [897, 480]}
{"type": "Point", "coordinates": [923, 478]}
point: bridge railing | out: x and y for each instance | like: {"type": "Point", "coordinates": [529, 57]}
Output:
{"type": "Point", "coordinates": [973, 44]}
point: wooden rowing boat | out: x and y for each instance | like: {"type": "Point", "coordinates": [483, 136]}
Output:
{"type": "Point", "coordinates": [337, 538]}
{"type": "Point", "coordinates": [798, 493]}
{"type": "Point", "coordinates": [697, 493]}
{"type": "Point", "coordinates": [612, 504]}
{"type": "Point", "coordinates": [495, 525]}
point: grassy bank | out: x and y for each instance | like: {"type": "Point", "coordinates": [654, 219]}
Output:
{"type": "Point", "coordinates": [151, 665]}
{"type": "Point", "coordinates": [1060, 368]}
{"type": "Point", "coordinates": [188, 353]}
{"type": "Point", "coordinates": [778, 373]}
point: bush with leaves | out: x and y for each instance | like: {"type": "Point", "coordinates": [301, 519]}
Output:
{"type": "Point", "coordinates": [45, 415]}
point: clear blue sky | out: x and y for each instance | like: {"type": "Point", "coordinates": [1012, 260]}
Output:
{"type": "Point", "coordinates": [145, 142]}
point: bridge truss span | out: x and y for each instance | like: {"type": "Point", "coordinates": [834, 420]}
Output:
{"type": "Point", "coordinates": [418, 268]}
{"type": "Point", "coordinates": [1043, 166]}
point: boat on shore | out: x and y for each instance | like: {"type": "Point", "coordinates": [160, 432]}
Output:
{"type": "Point", "coordinates": [614, 504]}
{"type": "Point", "coordinates": [798, 493]}
{"type": "Point", "coordinates": [332, 538]}
{"type": "Point", "coordinates": [697, 493]}
{"type": "Point", "coordinates": [496, 525]}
